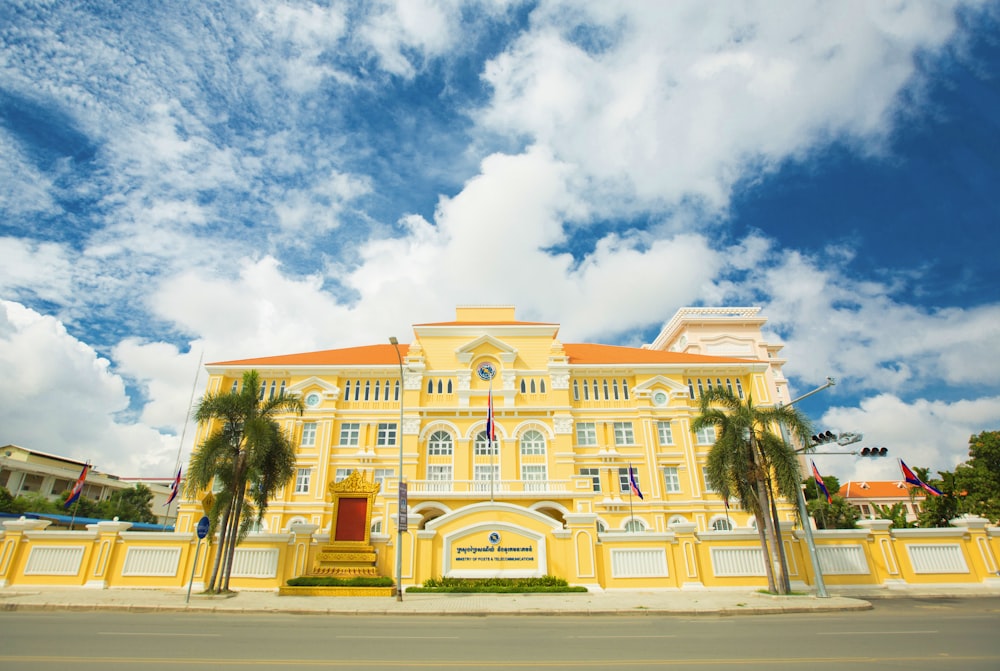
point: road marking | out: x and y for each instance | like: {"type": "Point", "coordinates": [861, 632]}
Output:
{"type": "Point", "coordinates": [154, 633]}
{"type": "Point", "coordinates": [628, 636]}
{"type": "Point", "coordinates": [382, 637]}
{"type": "Point", "coordinates": [875, 633]}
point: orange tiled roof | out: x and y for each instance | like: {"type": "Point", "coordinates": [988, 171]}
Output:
{"type": "Point", "coordinates": [348, 356]}
{"type": "Point", "coordinates": [578, 353]}
{"type": "Point", "coordinates": [875, 489]}
{"type": "Point", "coordinates": [487, 323]}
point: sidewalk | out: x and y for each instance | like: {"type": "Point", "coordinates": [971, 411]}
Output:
{"type": "Point", "coordinates": [636, 602]}
{"type": "Point", "coordinates": [632, 602]}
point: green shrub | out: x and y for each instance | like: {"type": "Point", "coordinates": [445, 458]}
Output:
{"type": "Point", "coordinates": [496, 585]}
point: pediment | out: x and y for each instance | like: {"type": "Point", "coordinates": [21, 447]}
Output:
{"type": "Point", "coordinates": [661, 381]}
{"type": "Point", "coordinates": [486, 344]}
{"type": "Point", "coordinates": [328, 389]}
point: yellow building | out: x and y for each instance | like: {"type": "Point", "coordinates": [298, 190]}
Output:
{"type": "Point", "coordinates": [570, 420]}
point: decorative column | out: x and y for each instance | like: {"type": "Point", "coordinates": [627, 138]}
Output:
{"type": "Point", "coordinates": [984, 559]}
{"type": "Point", "coordinates": [11, 545]}
{"type": "Point", "coordinates": [103, 555]}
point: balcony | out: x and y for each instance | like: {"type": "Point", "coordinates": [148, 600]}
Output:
{"type": "Point", "coordinates": [427, 489]}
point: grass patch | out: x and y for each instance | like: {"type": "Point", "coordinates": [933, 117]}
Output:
{"type": "Point", "coordinates": [545, 584]}
{"type": "Point", "coordinates": [320, 581]}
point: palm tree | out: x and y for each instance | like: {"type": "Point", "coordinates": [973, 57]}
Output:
{"type": "Point", "coordinates": [248, 455]}
{"type": "Point", "coordinates": [753, 464]}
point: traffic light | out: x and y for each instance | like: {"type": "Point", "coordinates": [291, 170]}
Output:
{"type": "Point", "coordinates": [874, 451]}
{"type": "Point", "coordinates": [824, 437]}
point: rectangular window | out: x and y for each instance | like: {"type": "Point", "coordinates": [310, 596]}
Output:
{"type": "Point", "coordinates": [623, 485]}
{"type": "Point", "coordinates": [341, 474]}
{"type": "Point", "coordinates": [386, 434]}
{"type": "Point", "coordinates": [383, 474]}
{"type": "Point", "coordinates": [706, 436]}
{"type": "Point", "coordinates": [534, 477]}
{"type": "Point", "coordinates": [671, 480]}
{"type": "Point", "coordinates": [302, 480]}
{"type": "Point", "coordinates": [486, 475]}
{"type": "Point", "coordinates": [440, 478]}
{"type": "Point", "coordinates": [309, 434]}
{"type": "Point", "coordinates": [664, 432]}
{"type": "Point", "coordinates": [586, 433]}
{"type": "Point", "coordinates": [704, 475]}
{"type": "Point", "coordinates": [350, 433]}
{"type": "Point", "coordinates": [623, 433]}
{"type": "Point", "coordinates": [595, 475]}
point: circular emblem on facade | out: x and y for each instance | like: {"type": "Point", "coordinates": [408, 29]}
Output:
{"type": "Point", "coordinates": [494, 538]}
{"type": "Point", "coordinates": [486, 371]}
{"type": "Point", "coordinates": [659, 397]}
{"type": "Point", "coordinates": [312, 399]}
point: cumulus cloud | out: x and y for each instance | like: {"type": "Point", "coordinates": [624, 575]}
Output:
{"type": "Point", "coordinates": [64, 399]}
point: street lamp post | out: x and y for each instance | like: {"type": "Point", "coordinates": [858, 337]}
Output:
{"type": "Point", "coordinates": [804, 514]}
{"type": "Point", "coordinates": [399, 480]}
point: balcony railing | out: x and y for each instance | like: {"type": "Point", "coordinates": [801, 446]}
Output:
{"type": "Point", "coordinates": [434, 488]}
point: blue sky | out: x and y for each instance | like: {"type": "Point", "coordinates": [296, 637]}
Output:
{"type": "Point", "coordinates": [221, 180]}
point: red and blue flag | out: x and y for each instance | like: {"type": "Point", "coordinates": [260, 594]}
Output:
{"type": "Point", "coordinates": [491, 433]}
{"type": "Point", "coordinates": [633, 483]}
{"type": "Point", "coordinates": [174, 488]}
{"type": "Point", "coordinates": [911, 478]}
{"type": "Point", "coordinates": [74, 493]}
{"type": "Point", "coordinates": [820, 483]}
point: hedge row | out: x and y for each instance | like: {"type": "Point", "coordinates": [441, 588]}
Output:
{"type": "Point", "coordinates": [496, 585]}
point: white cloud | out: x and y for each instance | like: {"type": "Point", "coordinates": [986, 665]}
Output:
{"type": "Point", "coordinates": [62, 398]}
{"type": "Point", "coordinates": [927, 433]}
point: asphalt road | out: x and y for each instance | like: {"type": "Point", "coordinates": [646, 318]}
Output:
{"type": "Point", "coordinates": [911, 634]}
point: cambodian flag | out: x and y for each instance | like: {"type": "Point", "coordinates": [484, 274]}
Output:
{"type": "Point", "coordinates": [74, 493]}
{"type": "Point", "coordinates": [633, 483]}
{"type": "Point", "coordinates": [820, 483]}
{"type": "Point", "coordinates": [174, 487]}
{"type": "Point", "coordinates": [491, 432]}
{"type": "Point", "coordinates": [912, 479]}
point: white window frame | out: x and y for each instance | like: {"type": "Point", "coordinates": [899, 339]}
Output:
{"type": "Point", "coordinates": [534, 477]}
{"type": "Point", "coordinates": [342, 474]}
{"type": "Point", "coordinates": [382, 474]}
{"type": "Point", "coordinates": [595, 475]}
{"type": "Point", "coordinates": [308, 434]}
{"type": "Point", "coordinates": [302, 478]}
{"type": "Point", "coordinates": [664, 432]}
{"type": "Point", "coordinates": [624, 434]}
{"type": "Point", "coordinates": [350, 434]}
{"type": "Point", "coordinates": [387, 434]}
{"type": "Point", "coordinates": [440, 444]}
{"type": "Point", "coordinates": [704, 477]}
{"type": "Point", "coordinates": [439, 477]}
{"type": "Point", "coordinates": [481, 445]}
{"type": "Point", "coordinates": [705, 435]}
{"type": "Point", "coordinates": [586, 434]}
{"type": "Point", "coordinates": [532, 442]}
{"type": "Point", "coordinates": [481, 476]}
{"type": "Point", "coordinates": [671, 480]}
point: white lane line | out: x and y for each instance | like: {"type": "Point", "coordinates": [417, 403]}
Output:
{"type": "Point", "coordinates": [154, 633]}
{"type": "Point", "coordinates": [874, 633]}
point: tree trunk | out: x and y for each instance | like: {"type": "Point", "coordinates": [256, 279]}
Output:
{"type": "Point", "coordinates": [768, 570]}
{"type": "Point", "coordinates": [763, 500]}
{"type": "Point", "coordinates": [234, 536]}
{"type": "Point", "coordinates": [782, 579]}
{"type": "Point", "coordinates": [223, 533]}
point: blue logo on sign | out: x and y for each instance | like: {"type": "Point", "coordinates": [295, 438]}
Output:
{"type": "Point", "coordinates": [494, 538]}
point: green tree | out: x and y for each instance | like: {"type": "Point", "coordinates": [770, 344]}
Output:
{"type": "Point", "coordinates": [9, 504]}
{"type": "Point", "coordinates": [979, 477]}
{"type": "Point", "coordinates": [130, 505]}
{"type": "Point", "coordinates": [938, 511]}
{"type": "Point", "coordinates": [752, 463]}
{"type": "Point", "coordinates": [896, 513]}
{"type": "Point", "coordinates": [249, 455]}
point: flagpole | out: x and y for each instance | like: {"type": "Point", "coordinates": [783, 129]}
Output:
{"type": "Point", "coordinates": [180, 446]}
{"type": "Point", "coordinates": [631, 513]}
{"type": "Point", "coordinates": [490, 433]}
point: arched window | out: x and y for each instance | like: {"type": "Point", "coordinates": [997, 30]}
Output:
{"type": "Point", "coordinates": [532, 442]}
{"type": "Point", "coordinates": [677, 519]}
{"type": "Point", "coordinates": [440, 444]}
{"type": "Point", "coordinates": [625, 389]}
{"type": "Point", "coordinates": [722, 524]}
{"type": "Point", "coordinates": [576, 390]}
{"type": "Point", "coordinates": [481, 445]}
{"type": "Point", "coordinates": [586, 391]}
{"type": "Point", "coordinates": [274, 384]}
{"type": "Point", "coordinates": [595, 389]}
{"type": "Point", "coordinates": [523, 389]}
{"type": "Point", "coordinates": [607, 395]}
{"type": "Point", "coordinates": [532, 385]}
{"type": "Point", "coordinates": [236, 386]}
{"type": "Point", "coordinates": [281, 392]}
{"type": "Point", "coordinates": [357, 390]}
{"type": "Point", "coordinates": [541, 385]}
{"type": "Point", "coordinates": [634, 526]}
{"type": "Point", "coordinates": [615, 387]}
{"type": "Point", "coordinates": [368, 389]}
{"type": "Point", "coordinates": [440, 387]}
{"type": "Point", "coordinates": [430, 386]}
{"type": "Point", "coordinates": [347, 390]}
{"type": "Point", "coordinates": [396, 386]}
{"type": "Point", "coordinates": [449, 387]}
